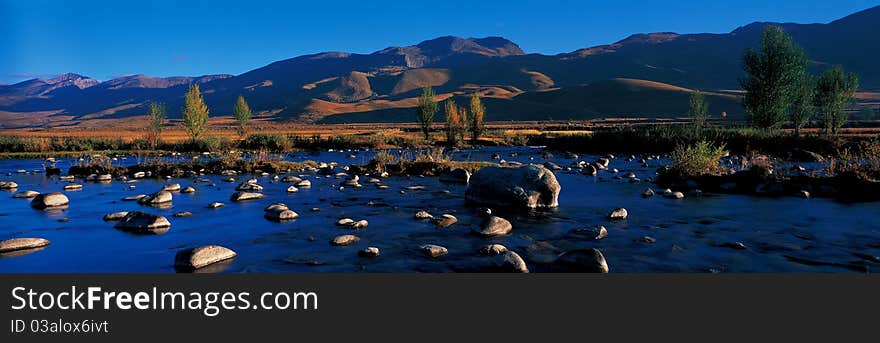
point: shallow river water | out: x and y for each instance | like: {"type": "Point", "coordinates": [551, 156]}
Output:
{"type": "Point", "coordinates": [694, 234]}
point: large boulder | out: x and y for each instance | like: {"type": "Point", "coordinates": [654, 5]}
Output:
{"type": "Point", "coordinates": [199, 257]}
{"type": "Point", "coordinates": [142, 222]}
{"type": "Point", "coordinates": [50, 200]}
{"type": "Point", "coordinates": [158, 198]}
{"type": "Point", "coordinates": [530, 186]}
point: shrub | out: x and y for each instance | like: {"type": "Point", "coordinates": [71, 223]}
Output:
{"type": "Point", "coordinates": [272, 142]}
{"type": "Point", "coordinates": [697, 159]}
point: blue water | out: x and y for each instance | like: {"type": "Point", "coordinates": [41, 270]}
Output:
{"type": "Point", "coordinates": [695, 234]}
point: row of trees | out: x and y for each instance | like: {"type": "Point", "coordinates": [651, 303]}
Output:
{"type": "Point", "coordinates": [459, 121]}
{"type": "Point", "coordinates": [779, 88]}
{"type": "Point", "coordinates": [195, 116]}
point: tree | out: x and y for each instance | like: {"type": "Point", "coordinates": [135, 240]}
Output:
{"type": "Point", "coordinates": [478, 111]}
{"type": "Point", "coordinates": [242, 114]}
{"type": "Point", "coordinates": [157, 119]}
{"type": "Point", "coordinates": [834, 92]}
{"type": "Point", "coordinates": [426, 110]}
{"type": "Point", "coordinates": [802, 108]}
{"type": "Point", "coordinates": [195, 113]}
{"type": "Point", "coordinates": [699, 110]}
{"type": "Point", "coordinates": [454, 122]}
{"type": "Point", "coordinates": [772, 78]}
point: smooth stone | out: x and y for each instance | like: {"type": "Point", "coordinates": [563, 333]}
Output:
{"type": "Point", "coordinates": [597, 232]}
{"type": "Point", "coordinates": [510, 261]}
{"type": "Point", "coordinates": [144, 222]}
{"type": "Point", "coordinates": [675, 195]}
{"type": "Point", "coordinates": [619, 213]}
{"type": "Point", "coordinates": [276, 207]}
{"type": "Point", "coordinates": [160, 197]}
{"type": "Point", "coordinates": [369, 252]}
{"type": "Point", "coordinates": [445, 220]}
{"type": "Point", "coordinates": [494, 226]}
{"type": "Point", "coordinates": [648, 193]}
{"type": "Point", "coordinates": [72, 187]}
{"type": "Point", "coordinates": [423, 215]}
{"type": "Point", "coordinates": [242, 196]}
{"type": "Point", "coordinates": [648, 239]}
{"type": "Point", "coordinates": [50, 200]}
{"type": "Point", "coordinates": [16, 244]}
{"type": "Point", "coordinates": [583, 260]}
{"type": "Point", "coordinates": [183, 214]}
{"type": "Point", "coordinates": [291, 179]}
{"type": "Point", "coordinates": [199, 257]}
{"type": "Point", "coordinates": [216, 205]}
{"type": "Point", "coordinates": [493, 249]}
{"type": "Point", "coordinates": [292, 189]}
{"type": "Point", "coordinates": [804, 194]}
{"type": "Point", "coordinates": [433, 251]}
{"type": "Point", "coordinates": [174, 187]}
{"type": "Point", "coordinates": [25, 194]}
{"type": "Point", "coordinates": [134, 197]}
{"type": "Point", "coordinates": [188, 190]}
{"type": "Point", "coordinates": [360, 224]}
{"type": "Point", "coordinates": [457, 175]}
{"type": "Point", "coordinates": [280, 214]}
{"type": "Point", "coordinates": [249, 186]}
{"type": "Point", "coordinates": [344, 240]}
{"type": "Point", "coordinates": [344, 222]}
{"type": "Point", "coordinates": [304, 184]}
{"type": "Point", "coordinates": [115, 216]}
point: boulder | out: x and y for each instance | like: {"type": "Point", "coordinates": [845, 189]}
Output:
{"type": "Point", "coordinates": [114, 216]}
{"type": "Point", "coordinates": [291, 179]}
{"type": "Point", "coordinates": [183, 214]}
{"type": "Point", "coordinates": [596, 233]}
{"type": "Point", "coordinates": [199, 257]}
{"type": "Point", "coordinates": [423, 215]}
{"type": "Point", "coordinates": [531, 186]}
{"type": "Point", "coordinates": [242, 196]}
{"type": "Point", "coordinates": [142, 222]}
{"type": "Point", "coordinates": [216, 205]}
{"type": "Point", "coordinates": [249, 186]}
{"type": "Point", "coordinates": [8, 185]}
{"type": "Point", "coordinates": [583, 260]}
{"type": "Point", "coordinates": [174, 187]}
{"type": "Point", "coordinates": [25, 194]}
{"type": "Point", "coordinates": [292, 189]}
{"type": "Point", "coordinates": [158, 198]}
{"type": "Point", "coordinates": [304, 184]}
{"type": "Point", "coordinates": [50, 201]}
{"type": "Point", "coordinates": [648, 193]}
{"type": "Point", "coordinates": [16, 244]}
{"type": "Point", "coordinates": [188, 190]}
{"type": "Point", "coordinates": [510, 261]}
{"type": "Point", "coordinates": [552, 166]}
{"type": "Point", "coordinates": [493, 226]}
{"type": "Point", "coordinates": [72, 187]}
{"type": "Point", "coordinates": [134, 197]}
{"type": "Point", "coordinates": [457, 175]}
{"type": "Point", "coordinates": [344, 222]}
{"type": "Point", "coordinates": [433, 251]}
{"type": "Point", "coordinates": [357, 225]}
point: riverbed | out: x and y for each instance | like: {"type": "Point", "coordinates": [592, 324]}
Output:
{"type": "Point", "coordinates": [700, 233]}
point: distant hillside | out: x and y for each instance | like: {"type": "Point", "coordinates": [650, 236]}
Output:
{"type": "Point", "coordinates": [642, 75]}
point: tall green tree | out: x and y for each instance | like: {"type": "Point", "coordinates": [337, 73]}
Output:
{"type": "Point", "coordinates": [195, 113]}
{"type": "Point", "coordinates": [802, 108]}
{"type": "Point", "coordinates": [426, 110]}
{"type": "Point", "coordinates": [834, 93]}
{"type": "Point", "coordinates": [772, 78]}
{"type": "Point", "coordinates": [157, 120]}
{"type": "Point", "coordinates": [478, 112]}
{"type": "Point", "coordinates": [242, 114]}
{"type": "Point", "coordinates": [699, 110]}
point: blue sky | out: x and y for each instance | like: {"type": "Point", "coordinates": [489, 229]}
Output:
{"type": "Point", "coordinates": [104, 39]}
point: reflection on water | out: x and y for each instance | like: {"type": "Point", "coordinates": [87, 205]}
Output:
{"type": "Point", "coordinates": [708, 233]}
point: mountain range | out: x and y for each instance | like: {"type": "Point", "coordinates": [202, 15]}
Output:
{"type": "Point", "coordinates": [647, 75]}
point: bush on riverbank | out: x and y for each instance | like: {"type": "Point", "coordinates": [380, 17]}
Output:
{"type": "Point", "coordinates": [697, 159]}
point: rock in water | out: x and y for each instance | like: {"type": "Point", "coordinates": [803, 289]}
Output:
{"type": "Point", "coordinates": [195, 258]}
{"type": "Point", "coordinates": [344, 240]}
{"type": "Point", "coordinates": [369, 252]}
{"type": "Point", "coordinates": [249, 186]}
{"type": "Point", "coordinates": [50, 201]}
{"type": "Point", "coordinates": [493, 249]}
{"type": "Point", "coordinates": [648, 193]}
{"type": "Point", "coordinates": [72, 187]}
{"type": "Point", "coordinates": [216, 205]}
{"type": "Point", "coordinates": [25, 194]}
{"type": "Point", "coordinates": [304, 184]}
{"type": "Point", "coordinates": [531, 186]}
{"type": "Point", "coordinates": [242, 196]}
{"type": "Point", "coordinates": [158, 198]}
{"type": "Point", "coordinates": [142, 222]}
{"type": "Point", "coordinates": [174, 187]}
{"type": "Point", "coordinates": [494, 226]}
{"type": "Point", "coordinates": [280, 214]}
{"type": "Point", "coordinates": [183, 214]}
{"type": "Point", "coordinates": [423, 215]}
{"type": "Point", "coordinates": [292, 189]}
{"type": "Point", "coordinates": [16, 244]}
{"type": "Point", "coordinates": [598, 232]}
{"type": "Point", "coordinates": [619, 213]}
{"type": "Point", "coordinates": [433, 251]}
{"type": "Point", "coordinates": [344, 222]}
{"type": "Point", "coordinates": [583, 260]}
{"type": "Point", "coordinates": [457, 175]}
{"type": "Point", "coordinates": [188, 190]}
{"type": "Point", "coordinates": [114, 216]}
{"type": "Point", "coordinates": [291, 179]}
{"type": "Point", "coordinates": [510, 261]}
{"type": "Point", "coordinates": [445, 220]}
